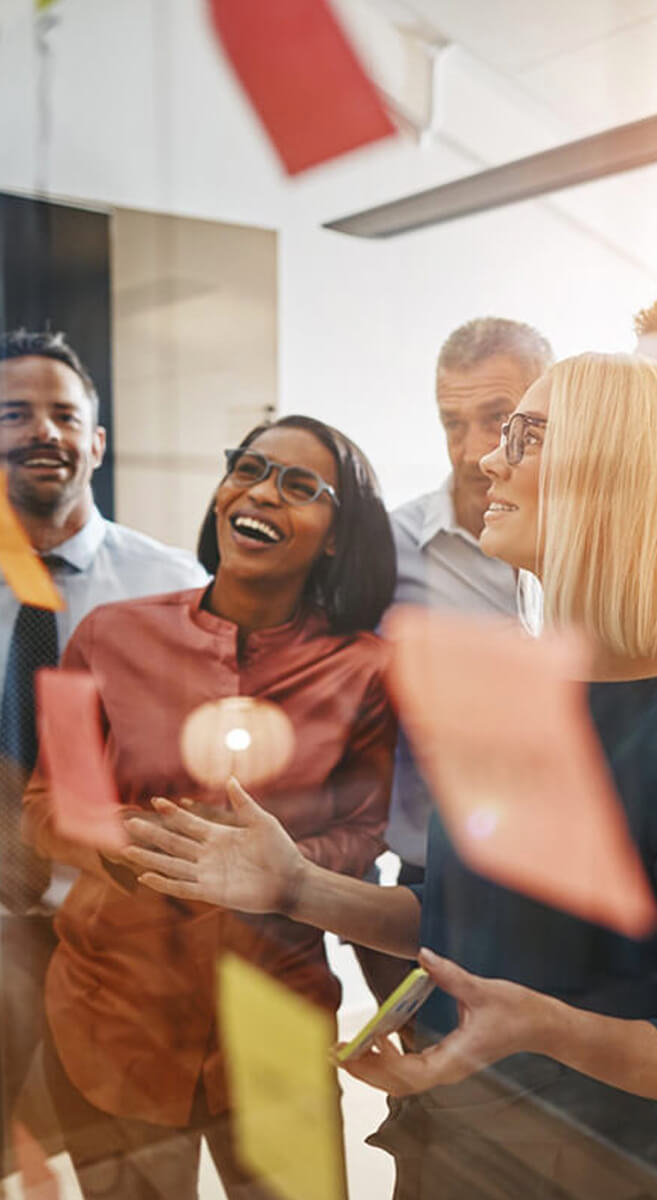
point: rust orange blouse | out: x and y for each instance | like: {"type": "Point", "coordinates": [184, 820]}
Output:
{"type": "Point", "coordinates": [129, 993]}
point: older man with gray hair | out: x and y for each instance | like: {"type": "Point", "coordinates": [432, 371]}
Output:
{"type": "Point", "coordinates": [483, 369]}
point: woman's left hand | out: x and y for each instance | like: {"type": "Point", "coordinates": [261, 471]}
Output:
{"type": "Point", "coordinates": [496, 1018]}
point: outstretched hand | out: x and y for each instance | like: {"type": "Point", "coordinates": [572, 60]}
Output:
{"type": "Point", "coordinates": [252, 865]}
{"type": "Point", "coordinates": [496, 1018]}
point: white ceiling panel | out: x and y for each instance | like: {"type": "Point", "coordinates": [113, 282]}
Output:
{"type": "Point", "coordinates": [608, 82]}
{"type": "Point", "coordinates": [513, 35]}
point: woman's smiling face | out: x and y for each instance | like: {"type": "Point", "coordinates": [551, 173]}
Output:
{"type": "Point", "coordinates": [259, 534]}
{"type": "Point", "coordinates": [511, 520]}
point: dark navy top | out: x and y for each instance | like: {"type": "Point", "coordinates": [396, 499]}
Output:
{"type": "Point", "coordinates": [498, 933]}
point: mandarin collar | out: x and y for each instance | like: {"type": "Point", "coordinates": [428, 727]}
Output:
{"type": "Point", "coordinates": [304, 621]}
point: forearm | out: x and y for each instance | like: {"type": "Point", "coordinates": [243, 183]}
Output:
{"type": "Point", "coordinates": [38, 830]}
{"type": "Point", "coordinates": [384, 918]}
{"type": "Point", "coordinates": [617, 1052]}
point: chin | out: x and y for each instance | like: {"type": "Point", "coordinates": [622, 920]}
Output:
{"type": "Point", "coordinates": [495, 546]}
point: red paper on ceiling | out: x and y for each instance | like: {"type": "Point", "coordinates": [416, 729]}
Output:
{"type": "Point", "coordinates": [302, 76]}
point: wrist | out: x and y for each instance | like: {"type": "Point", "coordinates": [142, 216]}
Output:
{"type": "Point", "coordinates": [550, 1025]}
{"type": "Point", "coordinates": [294, 889]}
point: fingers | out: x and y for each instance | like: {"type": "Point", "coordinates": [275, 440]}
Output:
{"type": "Point", "coordinates": [243, 805]}
{"type": "Point", "coordinates": [161, 838]}
{"type": "Point", "coordinates": [141, 859]}
{"type": "Point", "coordinates": [448, 975]}
{"type": "Point", "coordinates": [180, 820]}
{"type": "Point", "coordinates": [385, 1068]}
{"type": "Point", "coordinates": [170, 887]}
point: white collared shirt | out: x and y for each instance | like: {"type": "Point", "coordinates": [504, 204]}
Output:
{"type": "Point", "coordinates": [440, 565]}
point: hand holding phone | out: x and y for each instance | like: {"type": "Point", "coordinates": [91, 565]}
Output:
{"type": "Point", "coordinates": [399, 1007]}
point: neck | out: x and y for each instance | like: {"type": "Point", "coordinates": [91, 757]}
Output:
{"type": "Point", "coordinates": [48, 530]}
{"type": "Point", "coordinates": [609, 667]}
{"type": "Point", "coordinates": [253, 606]}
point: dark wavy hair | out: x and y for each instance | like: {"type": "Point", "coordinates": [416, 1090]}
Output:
{"type": "Point", "coordinates": [26, 343]}
{"type": "Point", "coordinates": [355, 585]}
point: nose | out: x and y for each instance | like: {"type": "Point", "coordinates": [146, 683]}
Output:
{"type": "Point", "coordinates": [478, 442]}
{"type": "Point", "coordinates": [494, 464]}
{"type": "Point", "coordinates": [265, 491]}
{"type": "Point", "coordinates": [44, 428]}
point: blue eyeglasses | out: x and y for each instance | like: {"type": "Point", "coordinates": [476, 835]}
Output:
{"type": "Point", "coordinates": [295, 485]}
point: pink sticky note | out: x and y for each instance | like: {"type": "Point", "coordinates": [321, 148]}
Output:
{"type": "Point", "coordinates": [37, 1180]}
{"type": "Point", "coordinates": [85, 800]}
{"type": "Point", "coordinates": [302, 77]}
{"type": "Point", "coordinates": [501, 730]}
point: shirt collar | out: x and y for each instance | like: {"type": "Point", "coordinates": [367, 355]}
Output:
{"type": "Point", "coordinates": [80, 550]}
{"type": "Point", "coordinates": [440, 517]}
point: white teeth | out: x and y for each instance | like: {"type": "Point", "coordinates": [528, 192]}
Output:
{"type": "Point", "coordinates": [43, 462]}
{"type": "Point", "coordinates": [252, 523]}
{"type": "Point", "coordinates": [494, 506]}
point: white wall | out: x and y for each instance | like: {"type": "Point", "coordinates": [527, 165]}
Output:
{"type": "Point", "coordinates": [145, 114]}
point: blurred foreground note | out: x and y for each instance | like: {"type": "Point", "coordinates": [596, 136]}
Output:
{"type": "Point", "coordinates": [85, 801]}
{"type": "Point", "coordinates": [282, 1087]}
{"type": "Point", "coordinates": [21, 566]}
{"type": "Point", "coordinates": [502, 733]}
{"type": "Point", "coordinates": [302, 77]}
{"type": "Point", "coordinates": [37, 1180]}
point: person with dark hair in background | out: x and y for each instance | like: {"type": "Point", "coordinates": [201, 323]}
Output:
{"type": "Point", "coordinates": [50, 445]}
{"type": "Point", "coordinates": [304, 566]}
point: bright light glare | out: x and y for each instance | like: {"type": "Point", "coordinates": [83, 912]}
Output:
{"type": "Point", "coordinates": [238, 739]}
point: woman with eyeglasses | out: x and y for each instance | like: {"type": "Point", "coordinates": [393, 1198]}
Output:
{"type": "Point", "coordinates": [539, 1076]}
{"type": "Point", "coordinates": [302, 557]}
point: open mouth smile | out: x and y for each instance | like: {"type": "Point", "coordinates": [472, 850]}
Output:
{"type": "Point", "coordinates": [256, 529]}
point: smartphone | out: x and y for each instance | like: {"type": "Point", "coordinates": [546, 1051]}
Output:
{"type": "Point", "coordinates": [393, 1013]}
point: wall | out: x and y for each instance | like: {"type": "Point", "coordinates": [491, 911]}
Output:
{"type": "Point", "coordinates": [144, 114]}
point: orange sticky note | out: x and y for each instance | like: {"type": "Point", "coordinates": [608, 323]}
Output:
{"type": "Point", "coordinates": [21, 566]}
{"type": "Point", "coordinates": [85, 799]}
{"type": "Point", "coordinates": [501, 730]}
{"type": "Point", "coordinates": [37, 1180]}
{"type": "Point", "coordinates": [302, 77]}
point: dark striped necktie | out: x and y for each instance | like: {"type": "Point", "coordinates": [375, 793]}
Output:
{"type": "Point", "coordinates": [23, 876]}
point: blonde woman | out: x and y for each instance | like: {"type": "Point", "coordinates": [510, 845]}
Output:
{"type": "Point", "coordinates": [564, 1009]}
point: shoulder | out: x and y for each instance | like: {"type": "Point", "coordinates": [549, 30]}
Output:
{"type": "Point", "coordinates": [408, 520]}
{"type": "Point", "coordinates": [158, 609]}
{"type": "Point", "coordinates": [137, 552]}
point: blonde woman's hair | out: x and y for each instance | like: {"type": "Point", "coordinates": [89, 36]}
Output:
{"type": "Point", "coordinates": [598, 501]}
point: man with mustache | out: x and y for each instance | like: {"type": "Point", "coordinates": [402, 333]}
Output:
{"type": "Point", "coordinates": [483, 369]}
{"type": "Point", "coordinates": [50, 446]}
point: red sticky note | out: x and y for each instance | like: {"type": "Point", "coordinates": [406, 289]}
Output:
{"type": "Point", "coordinates": [38, 1181]}
{"type": "Point", "coordinates": [302, 76]}
{"type": "Point", "coordinates": [501, 729]}
{"type": "Point", "coordinates": [85, 800]}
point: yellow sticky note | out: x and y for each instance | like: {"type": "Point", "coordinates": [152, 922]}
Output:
{"type": "Point", "coordinates": [283, 1089]}
{"type": "Point", "coordinates": [20, 564]}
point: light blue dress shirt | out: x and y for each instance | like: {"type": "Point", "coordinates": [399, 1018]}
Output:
{"type": "Point", "coordinates": [104, 562]}
{"type": "Point", "coordinates": [440, 565]}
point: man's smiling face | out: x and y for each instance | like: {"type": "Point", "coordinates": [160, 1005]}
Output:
{"type": "Point", "coordinates": [49, 443]}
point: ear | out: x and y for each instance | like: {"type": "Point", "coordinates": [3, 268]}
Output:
{"type": "Point", "coordinates": [329, 545]}
{"type": "Point", "coordinates": [98, 443]}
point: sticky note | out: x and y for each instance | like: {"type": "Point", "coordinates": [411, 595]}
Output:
{"type": "Point", "coordinates": [85, 801]}
{"type": "Point", "coordinates": [37, 1180]}
{"type": "Point", "coordinates": [20, 564]}
{"type": "Point", "coordinates": [500, 727]}
{"type": "Point", "coordinates": [302, 77]}
{"type": "Point", "coordinates": [282, 1086]}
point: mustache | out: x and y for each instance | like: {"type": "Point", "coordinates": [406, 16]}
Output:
{"type": "Point", "coordinates": [21, 454]}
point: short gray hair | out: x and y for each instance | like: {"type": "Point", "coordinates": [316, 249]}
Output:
{"type": "Point", "coordinates": [483, 337]}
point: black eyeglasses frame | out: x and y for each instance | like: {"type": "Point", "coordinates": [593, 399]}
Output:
{"type": "Point", "coordinates": [505, 441]}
